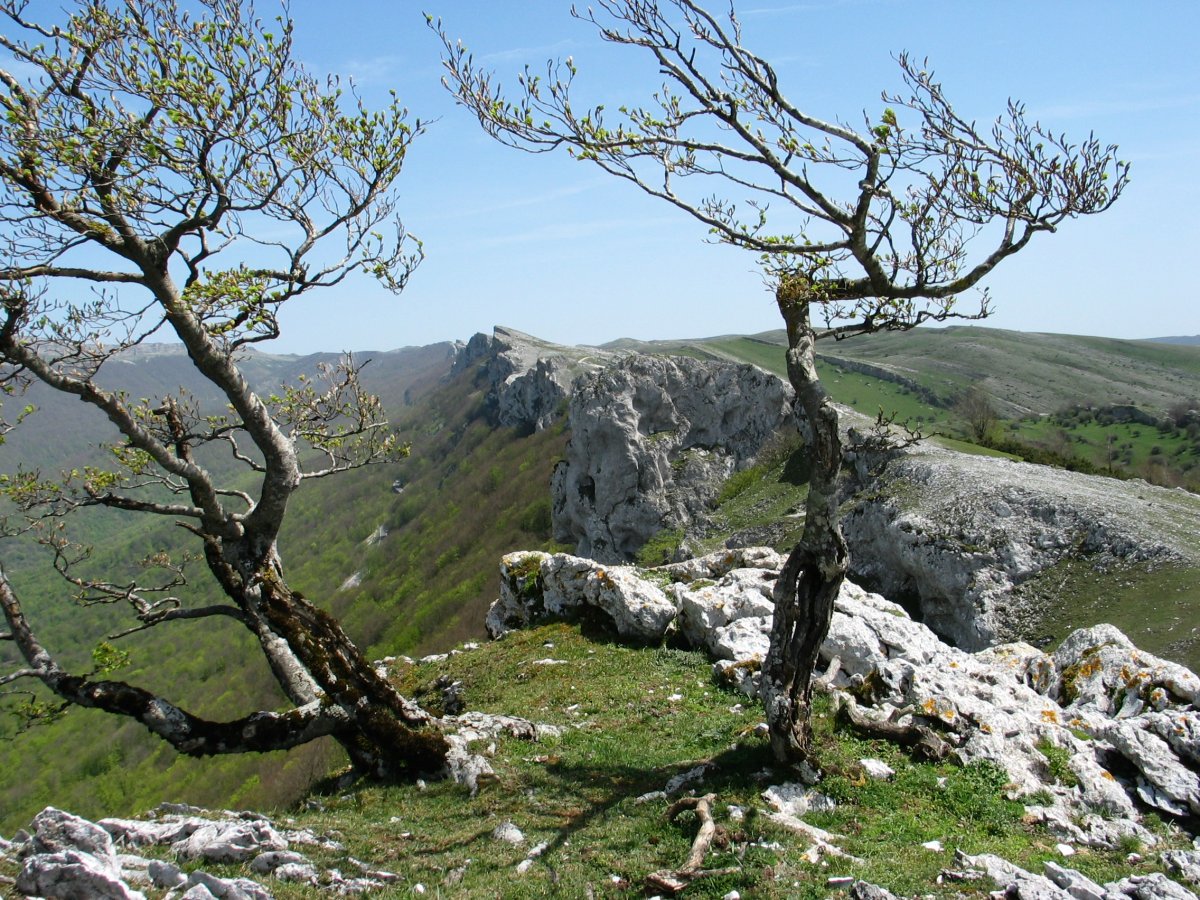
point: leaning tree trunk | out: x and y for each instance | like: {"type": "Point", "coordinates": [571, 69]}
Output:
{"type": "Point", "coordinates": [384, 734]}
{"type": "Point", "coordinates": [389, 735]}
{"type": "Point", "coordinates": [811, 578]}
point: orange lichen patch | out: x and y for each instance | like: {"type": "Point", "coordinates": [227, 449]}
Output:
{"type": "Point", "coordinates": [929, 706]}
{"type": "Point", "coordinates": [953, 664]}
{"type": "Point", "coordinates": [1050, 715]}
{"type": "Point", "coordinates": [1085, 668]}
{"type": "Point", "coordinates": [1104, 773]}
{"type": "Point", "coordinates": [1137, 681]}
{"type": "Point", "coordinates": [985, 728]}
{"type": "Point", "coordinates": [947, 715]}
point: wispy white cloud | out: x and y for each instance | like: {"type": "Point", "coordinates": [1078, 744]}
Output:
{"type": "Point", "coordinates": [374, 70]}
{"type": "Point", "coordinates": [545, 51]}
{"type": "Point", "coordinates": [474, 212]}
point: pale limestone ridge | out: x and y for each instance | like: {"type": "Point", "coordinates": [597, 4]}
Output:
{"type": "Point", "coordinates": [527, 378]}
{"type": "Point", "coordinates": [1090, 735]}
{"type": "Point", "coordinates": [652, 440]}
{"type": "Point", "coordinates": [958, 533]}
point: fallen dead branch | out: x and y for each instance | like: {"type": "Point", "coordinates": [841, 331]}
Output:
{"type": "Point", "coordinates": [919, 739]}
{"type": "Point", "coordinates": [673, 883]}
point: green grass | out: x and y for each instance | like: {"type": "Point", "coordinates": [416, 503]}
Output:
{"type": "Point", "coordinates": [765, 501]}
{"type": "Point", "coordinates": [633, 719]}
{"type": "Point", "coordinates": [1154, 605]}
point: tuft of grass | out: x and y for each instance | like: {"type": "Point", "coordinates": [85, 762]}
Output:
{"type": "Point", "coordinates": [632, 719]}
{"type": "Point", "coordinates": [660, 549]}
{"type": "Point", "coordinates": [1058, 763]}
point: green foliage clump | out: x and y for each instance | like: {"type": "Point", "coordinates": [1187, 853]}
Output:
{"type": "Point", "coordinates": [1058, 763]}
{"type": "Point", "coordinates": [660, 549]}
{"type": "Point", "coordinates": [739, 482]}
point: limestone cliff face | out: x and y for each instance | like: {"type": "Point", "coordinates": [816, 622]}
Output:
{"type": "Point", "coordinates": [652, 439]}
{"type": "Point", "coordinates": [957, 535]}
{"type": "Point", "coordinates": [528, 378]}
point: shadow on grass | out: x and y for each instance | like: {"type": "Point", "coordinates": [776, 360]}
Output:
{"type": "Point", "coordinates": [590, 792]}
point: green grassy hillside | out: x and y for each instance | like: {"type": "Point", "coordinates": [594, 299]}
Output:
{"type": "Point", "coordinates": [472, 493]}
{"type": "Point", "coordinates": [632, 719]}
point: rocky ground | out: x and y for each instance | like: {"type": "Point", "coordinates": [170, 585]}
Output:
{"type": "Point", "coordinates": [1089, 735]}
{"type": "Point", "coordinates": [958, 534]}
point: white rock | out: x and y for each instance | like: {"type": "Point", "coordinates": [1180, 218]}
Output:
{"type": "Point", "coordinates": [230, 841]}
{"type": "Point", "coordinates": [1074, 883]}
{"type": "Point", "coordinates": [653, 436]}
{"type": "Point", "coordinates": [877, 768]}
{"type": "Point", "coordinates": [683, 780]}
{"type": "Point", "coordinates": [1185, 863]}
{"type": "Point", "coordinates": [204, 885]}
{"type": "Point", "coordinates": [54, 830]}
{"type": "Point", "coordinates": [266, 863]}
{"type": "Point", "coordinates": [165, 874]}
{"type": "Point", "coordinates": [73, 873]}
{"type": "Point", "coordinates": [508, 833]}
{"type": "Point", "coordinates": [1150, 887]}
{"type": "Point", "coordinates": [796, 800]}
{"type": "Point", "coordinates": [297, 872]}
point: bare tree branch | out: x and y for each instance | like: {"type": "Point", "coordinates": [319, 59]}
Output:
{"type": "Point", "coordinates": [858, 230]}
{"type": "Point", "coordinates": [183, 163]}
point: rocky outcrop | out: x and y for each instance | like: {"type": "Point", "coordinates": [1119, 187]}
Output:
{"type": "Point", "coordinates": [652, 440]}
{"type": "Point", "coordinates": [1062, 883]}
{"type": "Point", "coordinates": [527, 379]}
{"type": "Point", "coordinates": [955, 535]}
{"type": "Point", "coordinates": [64, 856]}
{"type": "Point", "coordinates": [1090, 735]}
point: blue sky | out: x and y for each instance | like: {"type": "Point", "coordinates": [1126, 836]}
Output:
{"type": "Point", "coordinates": [556, 248]}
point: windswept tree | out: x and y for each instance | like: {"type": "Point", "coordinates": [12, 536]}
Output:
{"type": "Point", "coordinates": [878, 226]}
{"type": "Point", "coordinates": [977, 411]}
{"type": "Point", "coordinates": [167, 175]}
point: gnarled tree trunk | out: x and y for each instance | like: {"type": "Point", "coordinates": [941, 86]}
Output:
{"type": "Point", "coordinates": [809, 583]}
{"type": "Point", "coordinates": [386, 735]}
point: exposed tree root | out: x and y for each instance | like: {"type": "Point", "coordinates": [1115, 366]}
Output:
{"type": "Point", "coordinates": [672, 883]}
{"type": "Point", "coordinates": [920, 739]}
{"type": "Point", "coordinates": [822, 840]}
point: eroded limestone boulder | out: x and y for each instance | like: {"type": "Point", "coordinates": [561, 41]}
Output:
{"type": "Point", "coordinates": [652, 440]}
{"type": "Point", "coordinates": [69, 874]}
{"type": "Point", "coordinates": [1100, 728]}
{"type": "Point", "coordinates": [534, 585]}
{"type": "Point", "coordinates": [227, 842]}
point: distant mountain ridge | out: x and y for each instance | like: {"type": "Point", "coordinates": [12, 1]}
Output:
{"type": "Point", "coordinates": [1028, 373]}
{"type": "Point", "coordinates": [1187, 340]}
